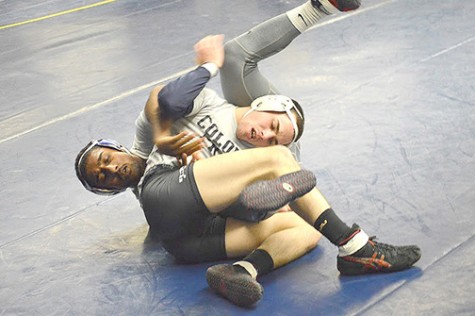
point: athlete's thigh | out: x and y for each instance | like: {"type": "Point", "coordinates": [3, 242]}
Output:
{"type": "Point", "coordinates": [242, 237]}
{"type": "Point", "coordinates": [220, 179]}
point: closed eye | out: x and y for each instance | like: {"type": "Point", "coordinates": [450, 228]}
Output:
{"type": "Point", "coordinates": [276, 127]}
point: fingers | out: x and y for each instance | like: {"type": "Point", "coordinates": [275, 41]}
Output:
{"type": "Point", "coordinates": [187, 143]}
{"type": "Point", "coordinates": [197, 156]}
{"type": "Point", "coordinates": [182, 160]}
{"type": "Point", "coordinates": [210, 41]}
{"type": "Point", "coordinates": [182, 143]}
{"type": "Point", "coordinates": [210, 49]}
{"type": "Point", "coordinates": [181, 139]}
{"type": "Point", "coordinates": [193, 146]}
{"type": "Point", "coordinates": [214, 41]}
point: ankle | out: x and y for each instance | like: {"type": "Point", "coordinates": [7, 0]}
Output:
{"type": "Point", "coordinates": [305, 16]}
{"type": "Point", "coordinates": [258, 262]}
{"type": "Point", "coordinates": [351, 246]}
{"type": "Point", "coordinates": [332, 227]}
{"type": "Point", "coordinates": [324, 6]}
{"type": "Point", "coordinates": [246, 267]}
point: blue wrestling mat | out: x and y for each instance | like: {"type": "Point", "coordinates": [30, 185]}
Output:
{"type": "Point", "coordinates": [389, 98]}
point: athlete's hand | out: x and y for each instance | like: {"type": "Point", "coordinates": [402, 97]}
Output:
{"type": "Point", "coordinates": [183, 158]}
{"type": "Point", "coordinates": [182, 143]}
{"type": "Point", "coordinates": [210, 49]}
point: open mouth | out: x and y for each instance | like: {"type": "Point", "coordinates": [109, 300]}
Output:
{"type": "Point", "coordinates": [253, 133]}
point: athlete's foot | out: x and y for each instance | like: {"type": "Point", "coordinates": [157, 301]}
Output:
{"type": "Point", "coordinates": [376, 257]}
{"type": "Point", "coordinates": [235, 284]}
{"type": "Point", "coordinates": [334, 6]}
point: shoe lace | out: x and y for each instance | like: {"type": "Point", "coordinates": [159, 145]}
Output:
{"type": "Point", "coordinates": [388, 251]}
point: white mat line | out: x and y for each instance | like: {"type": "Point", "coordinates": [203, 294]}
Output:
{"type": "Point", "coordinates": [348, 15]}
{"type": "Point", "coordinates": [148, 85]}
{"type": "Point", "coordinates": [95, 106]}
{"type": "Point", "coordinates": [448, 49]}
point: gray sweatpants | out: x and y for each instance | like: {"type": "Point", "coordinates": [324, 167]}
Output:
{"type": "Point", "coordinates": [241, 80]}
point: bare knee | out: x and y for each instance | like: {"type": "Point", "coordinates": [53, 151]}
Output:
{"type": "Point", "coordinates": [283, 160]}
{"type": "Point", "coordinates": [282, 152]}
{"type": "Point", "coordinates": [278, 160]}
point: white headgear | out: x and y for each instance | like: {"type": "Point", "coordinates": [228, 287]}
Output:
{"type": "Point", "coordinates": [277, 103]}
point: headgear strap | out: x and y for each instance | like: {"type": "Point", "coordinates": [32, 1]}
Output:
{"type": "Point", "coordinates": [109, 143]}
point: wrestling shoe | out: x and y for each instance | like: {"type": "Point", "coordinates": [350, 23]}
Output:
{"type": "Point", "coordinates": [376, 257]}
{"type": "Point", "coordinates": [235, 284]}
{"type": "Point", "coordinates": [270, 195]}
{"type": "Point", "coordinates": [333, 6]}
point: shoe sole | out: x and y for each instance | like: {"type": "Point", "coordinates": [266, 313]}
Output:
{"type": "Point", "coordinates": [238, 288]}
{"type": "Point", "coordinates": [270, 195]}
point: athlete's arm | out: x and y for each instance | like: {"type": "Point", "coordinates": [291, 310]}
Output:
{"type": "Point", "coordinates": [174, 101]}
{"type": "Point", "coordinates": [176, 98]}
{"type": "Point", "coordinates": [173, 145]}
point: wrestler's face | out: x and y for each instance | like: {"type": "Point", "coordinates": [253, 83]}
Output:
{"type": "Point", "coordinates": [108, 168]}
{"type": "Point", "coordinates": [263, 129]}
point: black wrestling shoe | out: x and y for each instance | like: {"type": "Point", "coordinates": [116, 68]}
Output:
{"type": "Point", "coordinates": [270, 195]}
{"type": "Point", "coordinates": [376, 257]}
{"type": "Point", "coordinates": [333, 6]}
{"type": "Point", "coordinates": [235, 284]}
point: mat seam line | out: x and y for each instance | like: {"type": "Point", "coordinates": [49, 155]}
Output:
{"type": "Point", "coordinates": [62, 220]}
{"type": "Point", "coordinates": [430, 266]}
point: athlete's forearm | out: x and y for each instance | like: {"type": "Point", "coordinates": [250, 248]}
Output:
{"type": "Point", "coordinates": [160, 126]}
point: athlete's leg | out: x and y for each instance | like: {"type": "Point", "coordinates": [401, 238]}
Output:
{"type": "Point", "coordinates": [222, 178]}
{"type": "Point", "coordinates": [268, 245]}
{"type": "Point", "coordinates": [241, 79]}
{"type": "Point", "coordinates": [285, 236]}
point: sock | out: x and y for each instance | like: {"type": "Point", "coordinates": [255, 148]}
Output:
{"type": "Point", "coordinates": [258, 262]}
{"type": "Point", "coordinates": [355, 244]}
{"type": "Point", "coordinates": [305, 16]}
{"type": "Point", "coordinates": [248, 267]}
{"type": "Point", "coordinates": [332, 227]}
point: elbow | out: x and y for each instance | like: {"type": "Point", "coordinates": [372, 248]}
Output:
{"type": "Point", "coordinates": [155, 91]}
{"type": "Point", "coordinates": [151, 107]}
{"type": "Point", "coordinates": [169, 103]}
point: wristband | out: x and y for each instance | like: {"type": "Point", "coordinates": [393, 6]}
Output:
{"type": "Point", "coordinates": [211, 67]}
